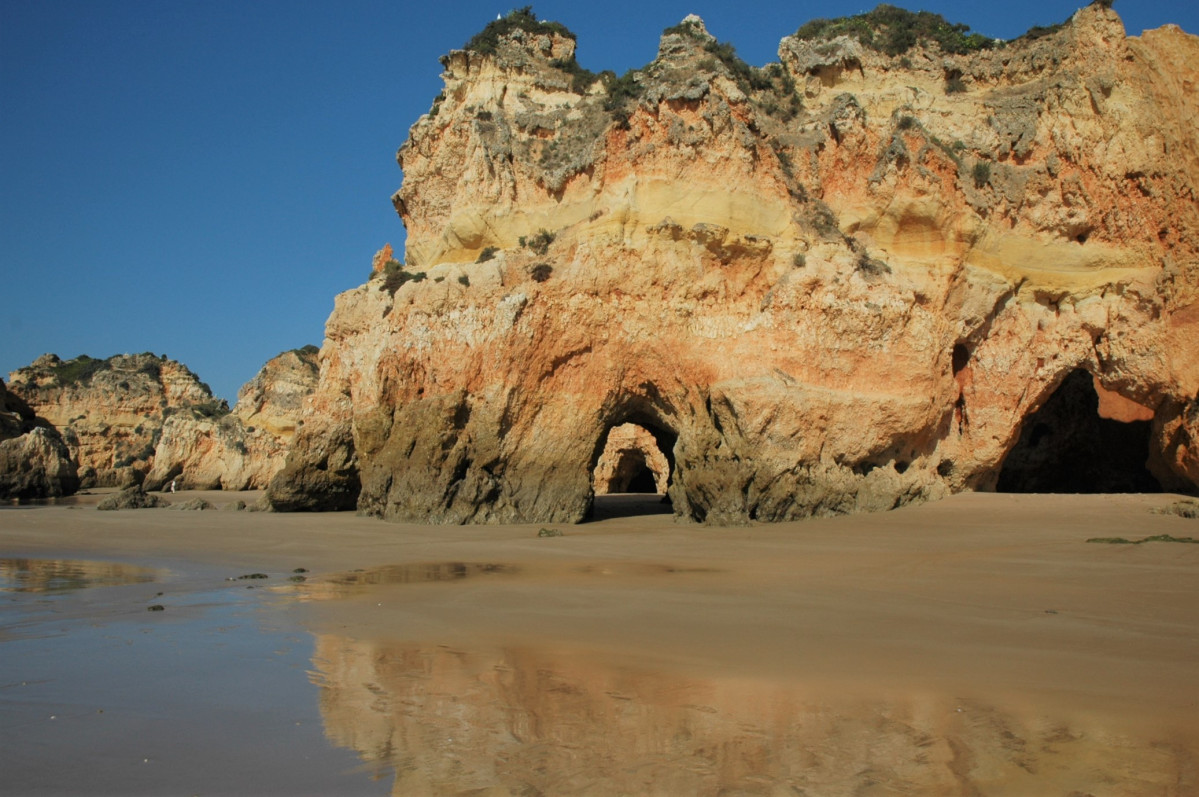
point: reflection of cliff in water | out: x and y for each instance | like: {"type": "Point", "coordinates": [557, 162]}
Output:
{"type": "Point", "coordinates": [527, 721]}
{"type": "Point", "coordinates": [59, 575]}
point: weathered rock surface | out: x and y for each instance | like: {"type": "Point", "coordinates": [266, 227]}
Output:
{"type": "Point", "coordinates": [631, 462]}
{"type": "Point", "coordinates": [244, 449]}
{"type": "Point", "coordinates": [133, 498]}
{"type": "Point", "coordinates": [111, 412]}
{"type": "Point", "coordinates": [839, 284]}
{"type": "Point", "coordinates": [34, 461]}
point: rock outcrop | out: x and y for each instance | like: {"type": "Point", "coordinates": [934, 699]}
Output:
{"type": "Point", "coordinates": [840, 283]}
{"type": "Point", "coordinates": [34, 461]}
{"type": "Point", "coordinates": [111, 412]}
{"type": "Point", "coordinates": [133, 497]}
{"type": "Point", "coordinates": [631, 462]}
{"type": "Point", "coordinates": [244, 449]}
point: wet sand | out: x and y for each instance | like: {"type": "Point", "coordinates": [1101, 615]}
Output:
{"type": "Point", "coordinates": [978, 645]}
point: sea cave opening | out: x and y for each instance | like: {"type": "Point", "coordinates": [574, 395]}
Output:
{"type": "Point", "coordinates": [632, 470]}
{"type": "Point", "coordinates": [1072, 444]}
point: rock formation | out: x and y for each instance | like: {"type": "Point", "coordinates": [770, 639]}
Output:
{"type": "Point", "coordinates": [111, 412]}
{"type": "Point", "coordinates": [133, 497]}
{"type": "Point", "coordinates": [244, 449]}
{"type": "Point", "coordinates": [631, 462]}
{"type": "Point", "coordinates": [840, 283]}
{"type": "Point", "coordinates": [34, 461]}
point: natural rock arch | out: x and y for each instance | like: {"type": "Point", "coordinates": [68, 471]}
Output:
{"type": "Point", "coordinates": [631, 462]}
{"type": "Point", "coordinates": [1068, 446]}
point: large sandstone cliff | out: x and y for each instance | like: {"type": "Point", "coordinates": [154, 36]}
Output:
{"type": "Point", "coordinates": [844, 282]}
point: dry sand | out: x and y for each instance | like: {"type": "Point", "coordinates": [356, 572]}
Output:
{"type": "Point", "coordinates": [979, 645]}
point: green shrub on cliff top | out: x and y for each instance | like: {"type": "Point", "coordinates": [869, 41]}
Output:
{"type": "Point", "coordinates": [394, 276]}
{"type": "Point", "coordinates": [894, 31]}
{"type": "Point", "coordinates": [485, 41]}
{"type": "Point", "coordinates": [79, 370]}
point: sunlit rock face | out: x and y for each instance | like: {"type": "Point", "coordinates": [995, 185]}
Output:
{"type": "Point", "coordinates": [111, 412]}
{"type": "Point", "coordinates": [244, 449]}
{"type": "Point", "coordinates": [631, 462]}
{"type": "Point", "coordinates": [838, 284]}
{"type": "Point", "coordinates": [34, 461]}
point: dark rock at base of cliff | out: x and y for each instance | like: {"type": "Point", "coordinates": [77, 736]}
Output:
{"type": "Point", "coordinates": [323, 477]}
{"type": "Point", "coordinates": [133, 498]}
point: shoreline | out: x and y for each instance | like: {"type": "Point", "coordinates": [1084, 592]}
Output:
{"type": "Point", "coordinates": [971, 619]}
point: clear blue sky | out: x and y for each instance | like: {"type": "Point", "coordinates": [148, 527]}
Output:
{"type": "Point", "coordinates": [199, 178]}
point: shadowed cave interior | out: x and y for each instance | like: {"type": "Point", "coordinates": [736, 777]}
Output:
{"type": "Point", "coordinates": [632, 471]}
{"type": "Point", "coordinates": [1067, 447]}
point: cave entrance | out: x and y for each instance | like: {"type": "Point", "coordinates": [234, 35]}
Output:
{"type": "Point", "coordinates": [632, 470]}
{"type": "Point", "coordinates": [1072, 444]}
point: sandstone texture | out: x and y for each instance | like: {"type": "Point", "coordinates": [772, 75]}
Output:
{"type": "Point", "coordinates": [631, 462]}
{"type": "Point", "coordinates": [844, 282]}
{"type": "Point", "coordinates": [111, 412]}
{"type": "Point", "coordinates": [34, 461]}
{"type": "Point", "coordinates": [241, 450]}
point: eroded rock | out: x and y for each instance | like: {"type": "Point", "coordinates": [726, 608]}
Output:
{"type": "Point", "coordinates": [842, 283]}
{"type": "Point", "coordinates": [244, 449]}
{"type": "Point", "coordinates": [34, 461]}
{"type": "Point", "coordinates": [111, 412]}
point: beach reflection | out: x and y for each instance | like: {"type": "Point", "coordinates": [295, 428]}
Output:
{"type": "Point", "coordinates": [527, 720]}
{"type": "Point", "coordinates": [62, 575]}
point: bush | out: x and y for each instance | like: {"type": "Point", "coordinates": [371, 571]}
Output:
{"type": "Point", "coordinates": [487, 253]}
{"type": "Point", "coordinates": [486, 40]}
{"type": "Point", "coordinates": [580, 78]}
{"type": "Point", "coordinates": [540, 243]}
{"type": "Point", "coordinates": [394, 276]}
{"type": "Point", "coordinates": [622, 91]}
{"type": "Point", "coordinates": [954, 85]}
{"type": "Point", "coordinates": [894, 31]}
{"type": "Point", "coordinates": [872, 267]}
{"type": "Point", "coordinates": [981, 173]}
{"type": "Point", "coordinates": [541, 272]}
{"type": "Point", "coordinates": [464, 280]}
{"type": "Point", "coordinates": [79, 370]}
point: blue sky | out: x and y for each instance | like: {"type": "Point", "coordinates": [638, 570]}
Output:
{"type": "Point", "coordinates": [199, 178]}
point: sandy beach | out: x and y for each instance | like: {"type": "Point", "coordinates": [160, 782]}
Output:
{"type": "Point", "coordinates": [978, 645]}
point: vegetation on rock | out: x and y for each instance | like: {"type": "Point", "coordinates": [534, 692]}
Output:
{"type": "Point", "coordinates": [894, 31]}
{"type": "Point", "coordinates": [394, 276]}
{"type": "Point", "coordinates": [486, 40]}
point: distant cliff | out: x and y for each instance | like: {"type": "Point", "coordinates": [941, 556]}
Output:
{"type": "Point", "coordinates": [244, 449]}
{"type": "Point", "coordinates": [844, 282]}
{"type": "Point", "coordinates": [147, 419]}
{"type": "Point", "coordinates": [111, 412]}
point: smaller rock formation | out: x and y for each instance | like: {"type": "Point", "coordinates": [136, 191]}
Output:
{"type": "Point", "coordinates": [111, 412]}
{"type": "Point", "coordinates": [34, 461]}
{"type": "Point", "coordinates": [133, 498]}
{"type": "Point", "coordinates": [241, 450]}
{"type": "Point", "coordinates": [194, 505]}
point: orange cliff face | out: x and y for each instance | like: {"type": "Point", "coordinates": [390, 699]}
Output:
{"type": "Point", "coordinates": [842, 283]}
